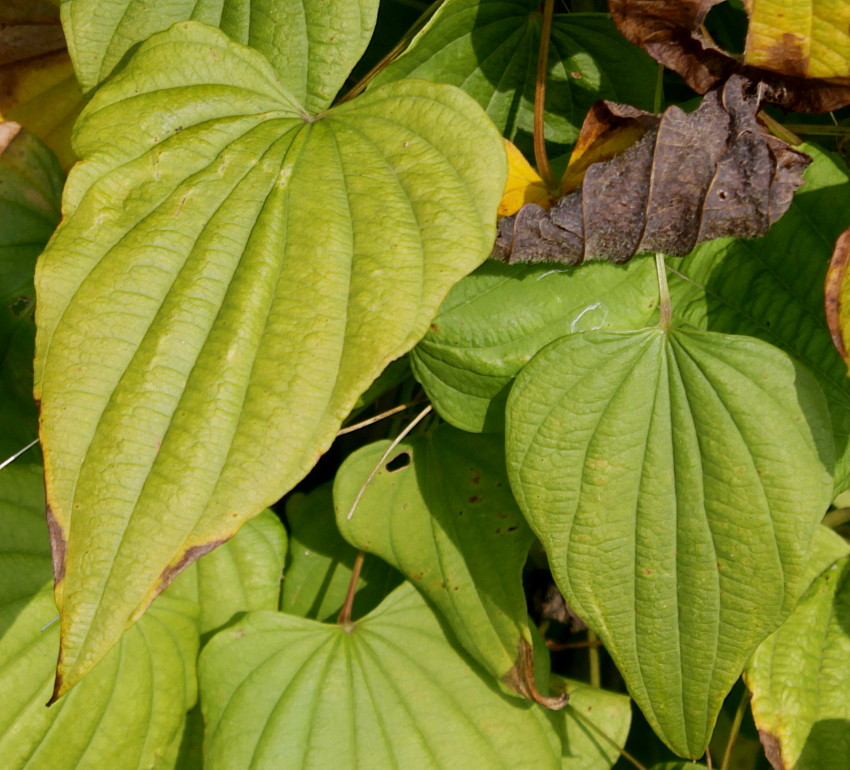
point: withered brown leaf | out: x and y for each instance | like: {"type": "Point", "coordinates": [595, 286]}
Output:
{"type": "Point", "coordinates": [691, 177]}
{"type": "Point", "coordinates": [671, 32]}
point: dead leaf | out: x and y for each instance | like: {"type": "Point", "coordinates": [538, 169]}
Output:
{"type": "Point", "coordinates": [689, 178]}
{"type": "Point", "coordinates": [777, 54]}
{"type": "Point", "coordinates": [837, 309]}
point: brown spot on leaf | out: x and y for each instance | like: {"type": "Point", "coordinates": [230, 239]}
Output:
{"type": "Point", "coordinates": [474, 499]}
{"type": "Point", "coordinates": [832, 290]}
{"type": "Point", "coordinates": [58, 545]}
{"type": "Point", "coordinates": [476, 476]}
{"type": "Point", "coordinates": [521, 679]}
{"type": "Point", "coordinates": [772, 750]}
{"type": "Point", "coordinates": [191, 555]}
{"type": "Point", "coordinates": [689, 178]}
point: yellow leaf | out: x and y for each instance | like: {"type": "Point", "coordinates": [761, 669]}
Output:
{"type": "Point", "coordinates": [803, 39]}
{"type": "Point", "coordinates": [524, 184]}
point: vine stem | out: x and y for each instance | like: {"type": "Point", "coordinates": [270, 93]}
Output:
{"type": "Point", "coordinates": [663, 292]}
{"type": "Point", "coordinates": [602, 734]}
{"type": "Point", "coordinates": [735, 729]}
{"type": "Point", "coordinates": [378, 417]}
{"type": "Point", "coordinates": [540, 156]}
{"type": "Point", "coordinates": [593, 659]}
{"type": "Point", "coordinates": [396, 441]}
{"type": "Point", "coordinates": [344, 618]}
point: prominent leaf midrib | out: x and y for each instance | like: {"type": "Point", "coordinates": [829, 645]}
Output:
{"type": "Point", "coordinates": [328, 649]}
{"type": "Point", "coordinates": [457, 713]}
{"type": "Point", "coordinates": [696, 434]}
{"type": "Point", "coordinates": [154, 319]}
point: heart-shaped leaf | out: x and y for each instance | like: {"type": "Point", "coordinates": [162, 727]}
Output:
{"type": "Point", "coordinates": [320, 563]}
{"type": "Point", "coordinates": [231, 274]}
{"type": "Point", "coordinates": [311, 44]}
{"type": "Point", "coordinates": [388, 691]}
{"type": "Point", "coordinates": [490, 48]}
{"type": "Point", "coordinates": [799, 679]}
{"type": "Point", "coordinates": [675, 479]}
{"type": "Point", "coordinates": [772, 288]}
{"type": "Point", "coordinates": [440, 510]}
{"type": "Point", "coordinates": [496, 319]}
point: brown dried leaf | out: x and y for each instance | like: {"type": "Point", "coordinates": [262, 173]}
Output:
{"type": "Point", "coordinates": [690, 178]}
{"type": "Point", "coordinates": [671, 32]}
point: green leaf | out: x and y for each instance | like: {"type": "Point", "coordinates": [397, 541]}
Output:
{"type": "Point", "coordinates": [230, 276]}
{"type": "Point", "coordinates": [496, 319]}
{"type": "Point", "coordinates": [320, 563]}
{"type": "Point", "coordinates": [490, 47]}
{"type": "Point", "coordinates": [799, 679]}
{"type": "Point", "coordinates": [440, 510]}
{"type": "Point", "coordinates": [389, 691]}
{"type": "Point", "coordinates": [676, 480]}
{"type": "Point", "coordinates": [611, 712]}
{"type": "Point", "coordinates": [131, 709]}
{"type": "Point", "coordinates": [242, 575]}
{"type": "Point", "coordinates": [772, 288]}
{"type": "Point", "coordinates": [311, 44]}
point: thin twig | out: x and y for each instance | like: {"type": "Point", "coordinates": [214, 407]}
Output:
{"type": "Point", "coordinates": [344, 618]}
{"type": "Point", "coordinates": [600, 732]}
{"type": "Point", "coordinates": [396, 441]}
{"type": "Point", "coordinates": [10, 460]}
{"type": "Point", "coordinates": [378, 417]}
{"type": "Point", "coordinates": [557, 647]}
{"type": "Point", "coordinates": [735, 729]}
{"type": "Point", "coordinates": [540, 156]}
{"type": "Point", "coordinates": [708, 763]}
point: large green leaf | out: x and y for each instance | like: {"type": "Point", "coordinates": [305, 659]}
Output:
{"type": "Point", "coordinates": [496, 319]}
{"type": "Point", "coordinates": [389, 691]}
{"type": "Point", "coordinates": [320, 562]}
{"type": "Point", "coordinates": [772, 288]}
{"type": "Point", "coordinates": [446, 518]}
{"type": "Point", "coordinates": [311, 44]}
{"type": "Point", "coordinates": [231, 274]}
{"type": "Point", "coordinates": [800, 681]}
{"type": "Point", "coordinates": [490, 47]}
{"type": "Point", "coordinates": [130, 711]}
{"type": "Point", "coordinates": [676, 480]}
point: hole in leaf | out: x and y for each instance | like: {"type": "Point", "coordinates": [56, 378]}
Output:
{"type": "Point", "coordinates": [399, 462]}
{"type": "Point", "coordinates": [19, 306]}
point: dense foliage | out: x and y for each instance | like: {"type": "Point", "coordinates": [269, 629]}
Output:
{"type": "Point", "coordinates": [326, 486]}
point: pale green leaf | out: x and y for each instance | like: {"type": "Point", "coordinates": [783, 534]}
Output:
{"type": "Point", "coordinates": [800, 681]}
{"type": "Point", "coordinates": [772, 287]}
{"type": "Point", "coordinates": [440, 510]}
{"type": "Point", "coordinates": [229, 277]}
{"type": "Point", "coordinates": [496, 319]}
{"type": "Point", "coordinates": [320, 561]}
{"type": "Point", "coordinates": [312, 44]}
{"type": "Point", "coordinates": [676, 480]}
{"type": "Point", "coordinates": [490, 48]}
{"type": "Point", "coordinates": [389, 691]}
{"type": "Point", "coordinates": [131, 708]}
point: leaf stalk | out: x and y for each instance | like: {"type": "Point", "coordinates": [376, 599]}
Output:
{"type": "Point", "coordinates": [541, 158]}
